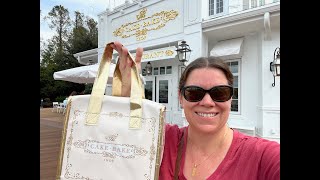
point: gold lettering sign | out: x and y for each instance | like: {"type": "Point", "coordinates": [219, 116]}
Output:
{"type": "Point", "coordinates": [158, 54]}
{"type": "Point", "coordinates": [143, 24]}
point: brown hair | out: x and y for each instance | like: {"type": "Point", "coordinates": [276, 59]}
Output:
{"type": "Point", "coordinates": [206, 62]}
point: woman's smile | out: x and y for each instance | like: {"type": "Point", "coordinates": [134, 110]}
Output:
{"type": "Point", "coordinates": [206, 114]}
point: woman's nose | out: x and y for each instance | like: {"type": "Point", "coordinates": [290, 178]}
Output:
{"type": "Point", "coordinates": [207, 100]}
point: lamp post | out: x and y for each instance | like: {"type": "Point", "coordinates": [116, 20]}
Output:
{"type": "Point", "coordinates": [275, 65]}
{"type": "Point", "coordinates": [183, 51]}
{"type": "Point", "coordinates": [148, 68]}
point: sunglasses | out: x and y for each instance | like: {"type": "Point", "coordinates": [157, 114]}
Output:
{"type": "Point", "coordinates": [220, 93]}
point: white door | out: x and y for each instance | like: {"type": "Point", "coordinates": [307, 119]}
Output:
{"type": "Point", "coordinates": [164, 94]}
{"type": "Point", "coordinates": [159, 89]}
{"type": "Point", "coordinates": [163, 89]}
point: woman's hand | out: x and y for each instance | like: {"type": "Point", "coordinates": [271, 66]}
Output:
{"type": "Point", "coordinates": [125, 66]}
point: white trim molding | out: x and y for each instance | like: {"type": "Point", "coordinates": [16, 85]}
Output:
{"type": "Point", "coordinates": [269, 108]}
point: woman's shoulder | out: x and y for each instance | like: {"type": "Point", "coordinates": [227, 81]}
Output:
{"type": "Point", "coordinates": [173, 128]}
{"type": "Point", "coordinates": [248, 140]}
{"type": "Point", "coordinates": [173, 132]}
{"type": "Point", "coordinates": [256, 157]}
{"type": "Point", "coordinates": [255, 145]}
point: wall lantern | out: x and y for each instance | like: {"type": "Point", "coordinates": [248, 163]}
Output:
{"type": "Point", "coordinates": [183, 51]}
{"type": "Point", "coordinates": [148, 69]}
{"type": "Point", "coordinates": [275, 65]}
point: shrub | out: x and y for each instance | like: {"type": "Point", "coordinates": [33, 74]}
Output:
{"type": "Point", "coordinates": [60, 98]}
{"type": "Point", "coordinates": [46, 103]}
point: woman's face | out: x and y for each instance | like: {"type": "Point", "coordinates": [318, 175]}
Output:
{"type": "Point", "coordinates": [206, 115]}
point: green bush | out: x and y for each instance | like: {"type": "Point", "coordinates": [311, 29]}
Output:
{"type": "Point", "coordinates": [46, 103]}
{"type": "Point", "coordinates": [88, 88]}
{"type": "Point", "coordinates": [60, 98]}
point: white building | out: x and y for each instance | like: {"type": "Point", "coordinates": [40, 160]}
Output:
{"type": "Point", "coordinates": [245, 33]}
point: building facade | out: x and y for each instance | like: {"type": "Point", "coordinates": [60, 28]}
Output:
{"type": "Point", "coordinates": [245, 33]}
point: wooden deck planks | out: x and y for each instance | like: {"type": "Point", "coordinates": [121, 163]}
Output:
{"type": "Point", "coordinates": [50, 140]}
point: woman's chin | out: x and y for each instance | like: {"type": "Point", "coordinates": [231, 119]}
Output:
{"type": "Point", "coordinates": [205, 128]}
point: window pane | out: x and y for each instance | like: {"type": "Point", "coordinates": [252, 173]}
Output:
{"type": "Point", "coordinates": [234, 105]}
{"type": "Point", "coordinates": [234, 67]}
{"type": "Point", "coordinates": [235, 93]}
{"type": "Point", "coordinates": [219, 6]}
{"type": "Point", "coordinates": [162, 70]}
{"type": "Point", "coordinates": [211, 7]}
{"type": "Point", "coordinates": [163, 91]}
{"type": "Point", "coordinates": [169, 69]}
{"type": "Point", "coordinates": [155, 71]}
{"type": "Point", "coordinates": [235, 81]}
{"type": "Point", "coordinates": [253, 3]}
{"type": "Point", "coordinates": [144, 72]}
{"type": "Point", "coordinates": [148, 90]}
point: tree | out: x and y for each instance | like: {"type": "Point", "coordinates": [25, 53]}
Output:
{"type": "Point", "coordinates": [84, 35]}
{"type": "Point", "coordinates": [93, 32]}
{"type": "Point", "coordinates": [60, 22]}
{"type": "Point", "coordinates": [57, 53]}
{"type": "Point", "coordinates": [47, 54]}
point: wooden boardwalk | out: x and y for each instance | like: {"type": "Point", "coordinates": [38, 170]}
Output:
{"type": "Point", "coordinates": [51, 124]}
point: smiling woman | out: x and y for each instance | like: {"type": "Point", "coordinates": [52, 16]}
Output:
{"type": "Point", "coordinates": [207, 148]}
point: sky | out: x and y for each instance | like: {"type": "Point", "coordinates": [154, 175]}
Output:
{"type": "Point", "coordinates": [88, 7]}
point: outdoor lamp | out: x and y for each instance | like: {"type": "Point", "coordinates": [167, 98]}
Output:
{"type": "Point", "coordinates": [183, 51]}
{"type": "Point", "coordinates": [275, 65]}
{"type": "Point", "coordinates": [148, 68]}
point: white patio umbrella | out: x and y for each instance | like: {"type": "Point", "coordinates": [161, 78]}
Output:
{"type": "Point", "coordinates": [82, 74]}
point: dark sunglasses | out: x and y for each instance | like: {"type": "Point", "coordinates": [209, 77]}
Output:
{"type": "Point", "coordinates": [220, 93]}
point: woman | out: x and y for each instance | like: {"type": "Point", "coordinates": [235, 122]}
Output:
{"type": "Point", "coordinates": [209, 148]}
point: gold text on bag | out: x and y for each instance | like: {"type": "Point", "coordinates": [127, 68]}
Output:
{"type": "Point", "coordinates": [112, 137]}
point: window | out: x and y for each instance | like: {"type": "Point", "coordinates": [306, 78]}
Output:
{"type": "Point", "coordinates": [162, 70]}
{"type": "Point", "coordinates": [169, 69]}
{"type": "Point", "coordinates": [144, 73]}
{"type": "Point", "coordinates": [148, 90]}
{"type": "Point", "coordinates": [216, 7]}
{"type": "Point", "coordinates": [155, 71]}
{"type": "Point", "coordinates": [234, 67]}
{"type": "Point", "coordinates": [163, 91]}
{"type": "Point", "coordinates": [253, 3]}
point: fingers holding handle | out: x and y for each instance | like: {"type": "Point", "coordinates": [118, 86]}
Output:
{"type": "Point", "coordinates": [125, 64]}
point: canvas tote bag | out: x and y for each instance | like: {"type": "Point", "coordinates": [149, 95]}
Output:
{"type": "Point", "coordinates": [111, 137]}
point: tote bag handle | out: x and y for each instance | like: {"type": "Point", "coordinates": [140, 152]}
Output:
{"type": "Point", "coordinates": [99, 86]}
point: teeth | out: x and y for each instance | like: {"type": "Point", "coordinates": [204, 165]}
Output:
{"type": "Point", "coordinates": [207, 114]}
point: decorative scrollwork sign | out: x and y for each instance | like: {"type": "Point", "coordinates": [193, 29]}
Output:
{"type": "Point", "coordinates": [143, 24]}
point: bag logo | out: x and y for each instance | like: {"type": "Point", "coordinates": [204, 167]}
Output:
{"type": "Point", "coordinates": [110, 150]}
